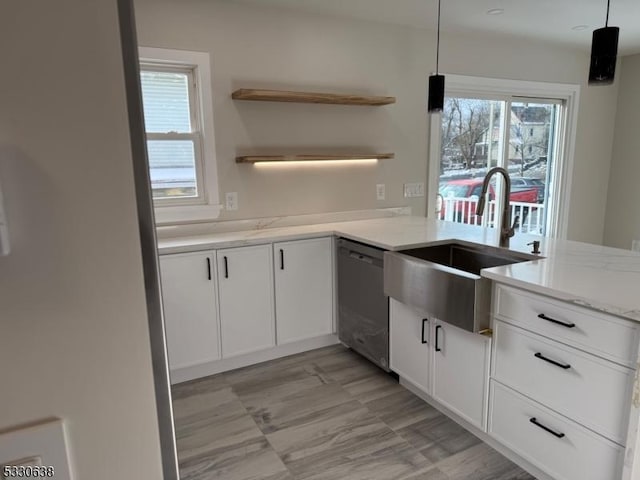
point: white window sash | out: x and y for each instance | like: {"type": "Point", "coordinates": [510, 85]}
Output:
{"type": "Point", "coordinates": [193, 136]}
{"type": "Point", "coordinates": [196, 139]}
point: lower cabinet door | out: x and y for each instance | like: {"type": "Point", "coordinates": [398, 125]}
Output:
{"type": "Point", "coordinates": [190, 314]}
{"type": "Point", "coordinates": [409, 344]}
{"type": "Point", "coordinates": [558, 446]}
{"type": "Point", "coordinates": [304, 289]}
{"type": "Point", "coordinates": [461, 371]}
{"type": "Point", "coordinates": [245, 285]}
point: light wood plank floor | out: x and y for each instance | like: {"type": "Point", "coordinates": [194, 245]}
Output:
{"type": "Point", "coordinates": [322, 415]}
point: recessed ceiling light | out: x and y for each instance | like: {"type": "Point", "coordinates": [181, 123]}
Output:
{"type": "Point", "coordinates": [579, 28]}
{"type": "Point", "coordinates": [495, 11]}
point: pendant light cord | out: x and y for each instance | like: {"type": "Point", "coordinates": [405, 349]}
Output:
{"type": "Point", "coordinates": [606, 23]}
{"type": "Point", "coordinates": [438, 38]}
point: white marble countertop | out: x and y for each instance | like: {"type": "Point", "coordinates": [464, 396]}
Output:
{"type": "Point", "coordinates": [602, 278]}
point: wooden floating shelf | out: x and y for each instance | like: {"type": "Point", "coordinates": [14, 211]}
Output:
{"type": "Point", "coordinates": [309, 158]}
{"type": "Point", "coordinates": [310, 97]}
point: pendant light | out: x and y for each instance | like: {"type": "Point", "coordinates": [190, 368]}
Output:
{"type": "Point", "coordinates": [604, 50]}
{"type": "Point", "coordinates": [436, 82]}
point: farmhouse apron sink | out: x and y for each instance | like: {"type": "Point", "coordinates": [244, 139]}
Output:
{"type": "Point", "coordinates": [444, 280]}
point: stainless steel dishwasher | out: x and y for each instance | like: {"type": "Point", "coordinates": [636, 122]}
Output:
{"type": "Point", "coordinates": [363, 308]}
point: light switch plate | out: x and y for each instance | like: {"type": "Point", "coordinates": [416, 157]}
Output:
{"type": "Point", "coordinates": [380, 191]}
{"type": "Point", "coordinates": [231, 200]}
{"type": "Point", "coordinates": [413, 190]}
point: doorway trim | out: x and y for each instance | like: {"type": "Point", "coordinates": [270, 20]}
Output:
{"type": "Point", "coordinates": [148, 242]}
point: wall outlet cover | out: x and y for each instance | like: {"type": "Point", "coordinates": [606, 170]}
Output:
{"type": "Point", "coordinates": [635, 245]}
{"type": "Point", "coordinates": [231, 200]}
{"type": "Point", "coordinates": [380, 191]}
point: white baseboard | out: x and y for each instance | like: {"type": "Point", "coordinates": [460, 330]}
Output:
{"type": "Point", "coordinates": [211, 368]}
{"type": "Point", "coordinates": [482, 435]}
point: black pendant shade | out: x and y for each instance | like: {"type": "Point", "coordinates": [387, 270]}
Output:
{"type": "Point", "coordinates": [436, 82]}
{"type": "Point", "coordinates": [436, 93]}
{"type": "Point", "coordinates": [604, 50]}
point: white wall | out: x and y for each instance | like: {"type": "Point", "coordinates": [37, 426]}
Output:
{"type": "Point", "coordinates": [73, 328]}
{"type": "Point", "coordinates": [623, 205]}
{"type": "Point", "coordinates": [261, 47]}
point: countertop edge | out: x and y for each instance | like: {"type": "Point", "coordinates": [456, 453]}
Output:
{"type": "Point", "coordinates": [203, 245]}
{"type": "Point", "coordinates": [633, 315]}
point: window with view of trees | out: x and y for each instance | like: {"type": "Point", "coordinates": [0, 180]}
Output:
{"type": "Point", "coordinates": [515, 133]}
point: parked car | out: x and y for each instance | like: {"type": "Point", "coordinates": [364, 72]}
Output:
{"type": "Point", "coordinates": [518, 183]}
{"type": "Point", "coordinates": [471, 188]}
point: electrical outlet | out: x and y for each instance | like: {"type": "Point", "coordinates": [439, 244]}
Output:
{"type": "Point", "coordinates": [413, 190]}
{"type": "Point", "coordinates": [231, 200]}
{"type": "Point", "coordinates": [635, 245]}
{"type": "Point", "coordinates": [380, 193]}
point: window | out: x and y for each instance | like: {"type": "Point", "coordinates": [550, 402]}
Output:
{"type": "Point", "coordinates": [524, 127]}
{"type": "Point", "coordinates": [173, 132]}
{"type": "Point", "coordinates": [176, 96]}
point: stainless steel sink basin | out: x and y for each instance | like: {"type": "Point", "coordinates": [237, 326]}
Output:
{"type": "Point", "coordinates": [444, 280]}
{"type": "Point", "coordinates": [467, 257]}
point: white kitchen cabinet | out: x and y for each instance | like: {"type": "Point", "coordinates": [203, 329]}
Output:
{"type": "Point", "coordinates": [568, 368]}
{"type": "Point", "coordinates": [303, 289]}
{"type": "Point", "coordinates": [595, 332]}
{"type": "Point", "coordinates": [409, 344]}
{"type": "Point", "coordinates": [190, 313]}
{"type": "Point", "coordinates": [460, 371]}
{"type": "Point", "coordinates": [552, 442]}
{"type": "Point", "coordinates": [590, 390]}
{"type": "Point", "coordinates": [444, 362]}
{"type": "Point", "coordinates": [245, 285]}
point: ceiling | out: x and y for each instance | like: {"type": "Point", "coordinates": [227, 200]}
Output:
{"type": "Point", "coordinates": [548, 20]}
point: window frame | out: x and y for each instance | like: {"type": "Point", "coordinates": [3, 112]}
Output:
{"type": "Point", "coordinates": [206, 206]}
{"type": "Point", "coordinates": [506, 90]}
{"type": "Point", "coordinates": [194, 136]}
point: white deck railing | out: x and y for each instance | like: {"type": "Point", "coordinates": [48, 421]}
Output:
{"type": "Point", "coordinates": [463, 210]}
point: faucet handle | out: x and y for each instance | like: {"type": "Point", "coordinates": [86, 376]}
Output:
{"type": "Point", "coordinates": [480, 205]}
{"type": "Point", "coordinates": [512, 229]}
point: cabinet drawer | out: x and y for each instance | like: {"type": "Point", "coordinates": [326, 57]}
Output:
{"type": "Point", "coordinates": [585, 388]}
{"type": "Point", "coordinates": [566, 451]}
{"type": "Point", "coordinates": [598, 333]}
